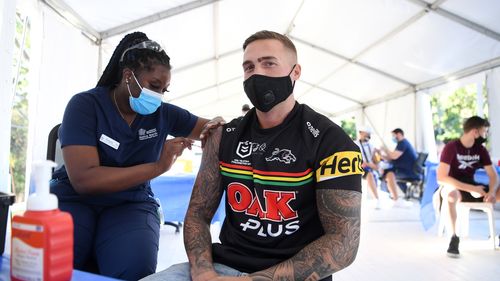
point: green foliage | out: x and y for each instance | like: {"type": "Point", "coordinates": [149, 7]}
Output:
{"type": "Point", "coordinates": [19, 121]}
{"type": "Point", "coordinates": [450, 111]}
{"type": "Point", "coordinates": [349, 126]}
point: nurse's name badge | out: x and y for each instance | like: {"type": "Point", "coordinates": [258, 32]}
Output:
{"type": "Point", "coordinates": [109, 141]}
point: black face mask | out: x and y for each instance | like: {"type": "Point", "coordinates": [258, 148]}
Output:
{"type": "Point", "coordinates": [266, 92]}
{"type": "Point", "coordinates": [480, 140]}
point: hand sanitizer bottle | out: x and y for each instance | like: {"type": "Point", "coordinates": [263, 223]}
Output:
{"type": "Point", "coordinates": [42, 237]}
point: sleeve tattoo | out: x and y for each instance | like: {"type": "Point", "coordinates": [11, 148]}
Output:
{"type": "Point", "coordinates": [339, 212]}
{"type": "Point", "coordinates": [205, 199]}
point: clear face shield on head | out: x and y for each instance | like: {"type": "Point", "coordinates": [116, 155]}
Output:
{"type": "Point", "coordinates": [150, 45]}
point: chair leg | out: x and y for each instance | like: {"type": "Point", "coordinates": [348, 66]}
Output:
{"type": "Point", "coordinates": [177, 226]}
{"type": "Point", "coordinates": [463, 214]}
{"type": "Point", "coordinates": [491, 223]}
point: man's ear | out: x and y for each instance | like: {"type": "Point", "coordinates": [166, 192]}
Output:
{"type": "Point", "coordinates": [297, 70]}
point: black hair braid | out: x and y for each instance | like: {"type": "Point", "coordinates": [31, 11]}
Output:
{"type": "Point", "coordinates": [135, 59]}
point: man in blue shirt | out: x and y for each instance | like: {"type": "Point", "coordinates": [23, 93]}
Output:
{"type": "Point", "coordinates": [402, 159]}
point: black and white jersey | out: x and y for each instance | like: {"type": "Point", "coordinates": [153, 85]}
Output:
{"type": "Point", "coordinates": [270, 177]}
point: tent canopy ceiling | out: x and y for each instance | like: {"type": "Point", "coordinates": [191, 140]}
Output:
{"type": "Point", "coordinates": [353, 53]}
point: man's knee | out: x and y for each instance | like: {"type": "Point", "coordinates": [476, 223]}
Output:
{"type": "Point", "coordinates": [451, 194]}
{"type": "Point", "coordinates": [176, 272]}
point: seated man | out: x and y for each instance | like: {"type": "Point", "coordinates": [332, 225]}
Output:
{"type": "Point", "coordinates": [368, 152]}
{"type": "Point", "coordinates": [402, 159]}
{"type": "Point", "coordinates": [459, 161]}
{"type": "Point", "coordinates": [292, 181]}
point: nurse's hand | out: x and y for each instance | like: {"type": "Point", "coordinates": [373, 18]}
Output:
{"type": "Point", "coordinates": [172, 149]}
{"type": "Point", "coordinates": [209, 126]}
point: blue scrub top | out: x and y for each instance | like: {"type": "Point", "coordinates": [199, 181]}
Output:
{"type": "Point", "coordinates": [406, 161]}
{"type": "Point", "coordinates": [92, 119]}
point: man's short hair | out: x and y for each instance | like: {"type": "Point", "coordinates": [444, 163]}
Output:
{"type": "Point", "coordinates": [266, 34]}
{"type": "Point", "coordinates": [475, 122]}
{"type": "Point", "coordinates": [398, 131]}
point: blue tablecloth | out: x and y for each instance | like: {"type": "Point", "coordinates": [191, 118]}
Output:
{"type": "Point", "coordinates": [174, 193]}
{"type": "Point", "coordinates": [427, 212]}
{"type": "Point", "coordinates": [77, 275]}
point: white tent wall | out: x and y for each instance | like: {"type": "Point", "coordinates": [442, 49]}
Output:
{"type": "Point", "coordinates": [65, 63]}
{"type": "Point", "coordinates": [389, 115]}
{"type": "Point", "coordinates": [7, 29]}
{"type": "Point", "coordinates": [493, 86]}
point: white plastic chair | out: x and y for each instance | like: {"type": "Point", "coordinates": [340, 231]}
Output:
{"type": "Point", "coordinates": [463, 210]}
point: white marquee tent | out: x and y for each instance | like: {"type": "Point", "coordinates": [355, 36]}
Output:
{"type": "Point", "coordinates": [377, 60]}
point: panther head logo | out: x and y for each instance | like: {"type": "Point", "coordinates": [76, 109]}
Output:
{"type": "Point", "coordinates": [282, 155]}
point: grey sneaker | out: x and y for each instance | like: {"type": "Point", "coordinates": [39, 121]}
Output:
{"type": "Point", "coordinates": [453, 248]}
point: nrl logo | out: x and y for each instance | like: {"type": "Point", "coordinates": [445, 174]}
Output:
{"type": "Point", "coordinates": [245, 148]}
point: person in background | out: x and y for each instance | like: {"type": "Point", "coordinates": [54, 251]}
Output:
{"type": "Point", "coordinates": [113, 140]}
{"type": "Point", "coordinates": [402, 161]}
{"type": "Point", "coordinates": [244, 109]}
{"type": "Point", "coordinates": [368, 152]}
{"type": "Point", "coordinates": [291, 179]}
{"type": "Point", "coordinates": [455, 173]}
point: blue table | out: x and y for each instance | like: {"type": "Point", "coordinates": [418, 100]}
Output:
{"type": "Point", "coordinates": [77, 275]}
{"type": "Point", "coordinates": [174, 193]}
{"type": "Point", "coordinates": [427, 212]}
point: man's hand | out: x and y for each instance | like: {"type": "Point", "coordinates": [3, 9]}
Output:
{"type": "Point", "coordinates": [205, 276]}
{"type": "Point", "coordinates": [478, 191]}
{"type": "Point", "coordinates": [209, 127]}
{"type": "Point", "coordinates": [172, 149]}
{"type": "Point", "coordinates": [489, 197]}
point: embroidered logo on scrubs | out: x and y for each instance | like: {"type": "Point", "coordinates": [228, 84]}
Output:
{"type": "Point", "coordinates": [147, 134]}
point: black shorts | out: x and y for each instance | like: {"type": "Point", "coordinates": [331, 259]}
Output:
{"type": "Point", "coordinates": [466, 196]}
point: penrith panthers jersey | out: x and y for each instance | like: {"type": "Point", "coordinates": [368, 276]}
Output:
{"type": "Point", "coordinates": [270, 177]}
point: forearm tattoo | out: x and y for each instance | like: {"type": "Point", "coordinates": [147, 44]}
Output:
{"type": "Point", "coordinates": [339, 212]}
{"type": "Point", "coordinates": [205, 199]}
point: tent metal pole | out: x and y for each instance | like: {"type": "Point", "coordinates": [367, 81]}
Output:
{"type": "Point", "coordinates": [205, 88]}
{"type": "Point", "coordinates": [67, 13]}
{"type": "Point", "coordinates": [155, 17]}
{"type": "Point", "coordinates": [458, 19]}
{"type": "Point", "coordinates": [292, 22]}
{"type": "Point", "coordinates": [337, 55]}
{"type": "Point", "coordinates": [180, 69]}
{"type": "Point", "coordinates": [330, 92]}
{"type": "Point", "coordinates": [487, 65]}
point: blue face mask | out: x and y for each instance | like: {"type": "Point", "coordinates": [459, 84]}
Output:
{"type": "Point", "coordinates": [147, 102]}
{"type": "Point", "coordinates": [394, 139]}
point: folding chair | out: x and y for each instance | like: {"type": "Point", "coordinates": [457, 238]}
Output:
{"type": "Point", "coordinates": [415, 187]}
{"type": "Point", "coordinates": [54, 151]}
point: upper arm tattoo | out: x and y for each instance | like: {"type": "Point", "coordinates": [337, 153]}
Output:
{"type": "Point", "coordinates": [205, 199]}
{"type": "Point", "coordinates": [339, 212]}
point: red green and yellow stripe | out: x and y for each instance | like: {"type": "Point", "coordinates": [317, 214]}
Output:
{"type": "Point", "coordinates": [266, 177]}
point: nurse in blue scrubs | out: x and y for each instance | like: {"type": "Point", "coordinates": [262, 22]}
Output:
{"type": "Point", "coordinates": [113, 140]}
